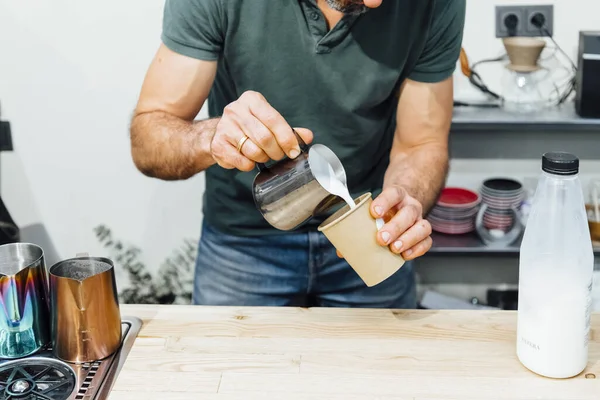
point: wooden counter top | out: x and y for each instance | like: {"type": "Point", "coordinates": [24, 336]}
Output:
{"type": "Point", "coordinates": [225, 353]}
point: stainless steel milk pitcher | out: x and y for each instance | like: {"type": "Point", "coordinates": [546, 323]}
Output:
{"type": "Point", "coordinates": [24, 302]}
{"type": "Point", "coordinates": [86, 320]}
{"type": "Point", "coordinates": [287, 194]}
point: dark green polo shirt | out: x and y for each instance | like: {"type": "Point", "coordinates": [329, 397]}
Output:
{"type": "Point", "coordinates": [342, 84]}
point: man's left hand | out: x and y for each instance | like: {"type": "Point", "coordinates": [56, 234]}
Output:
{"type": "Point", "coordinates": [406, 232]}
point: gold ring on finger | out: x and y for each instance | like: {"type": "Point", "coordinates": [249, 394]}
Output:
{"type": "Point", "coordinates": [241, 143]}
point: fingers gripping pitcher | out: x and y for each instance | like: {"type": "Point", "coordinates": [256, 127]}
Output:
{"type": "Point", "coordinates": [555, 274]}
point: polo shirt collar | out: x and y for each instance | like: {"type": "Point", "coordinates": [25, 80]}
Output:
{"type": "Point", "coordinates": [317, 26]}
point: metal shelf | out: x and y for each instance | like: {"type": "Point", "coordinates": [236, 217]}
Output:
{"type": "Point", "coordinates": [558, 119]}
{"type": "Point", "coordinates": [471, 244]}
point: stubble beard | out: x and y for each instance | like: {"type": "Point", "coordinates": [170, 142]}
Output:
{"type": "Point", "coordinates": [349, 7]}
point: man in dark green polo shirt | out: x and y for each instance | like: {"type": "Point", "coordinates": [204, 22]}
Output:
{"type": "Point", "coordinates": [371, 79]}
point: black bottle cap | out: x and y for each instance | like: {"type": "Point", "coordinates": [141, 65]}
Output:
{"type": "Point", "coordinates": [560, 163]}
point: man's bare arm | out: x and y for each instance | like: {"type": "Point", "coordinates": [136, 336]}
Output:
{"type": "Point", "coordinates": [165, 141]}
{"type": "Point", "coordinates": [418, 167]}
{"type": "Point", "coordinates": [419, 156]}
{"type": "Point", "coordinates": [167, 144]}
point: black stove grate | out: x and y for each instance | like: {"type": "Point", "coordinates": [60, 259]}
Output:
{"type": "Point", "coordinates": [41, 379]}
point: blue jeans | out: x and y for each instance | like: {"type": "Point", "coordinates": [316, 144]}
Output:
{"type": "Point", "coordinates": [291, 269]}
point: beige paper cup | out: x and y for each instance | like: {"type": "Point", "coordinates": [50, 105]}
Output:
{"type": "Point", "coordinates": [354, 234]}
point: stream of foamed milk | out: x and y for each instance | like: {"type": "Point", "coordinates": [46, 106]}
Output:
{"type": "Point", "coordinates": [325, 175]}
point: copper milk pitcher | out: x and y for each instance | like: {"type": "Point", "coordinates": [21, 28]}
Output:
{"type": "Point", "coordinates": [86, 319]}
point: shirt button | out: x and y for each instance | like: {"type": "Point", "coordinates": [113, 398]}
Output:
{"type": "Point", "coordinates": [314, 16]}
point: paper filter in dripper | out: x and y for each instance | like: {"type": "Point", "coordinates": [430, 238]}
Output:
{"type": "Point", "coordinates": [523, 53]}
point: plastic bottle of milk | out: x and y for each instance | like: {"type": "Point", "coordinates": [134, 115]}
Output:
{"type": "Point", "coordinates": [555, 274]}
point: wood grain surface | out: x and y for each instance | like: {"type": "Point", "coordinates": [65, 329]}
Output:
{"type": "Point", "coordinates": [225, 353]}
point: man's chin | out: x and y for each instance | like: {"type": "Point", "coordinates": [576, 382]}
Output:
{"type": "Point", "coordinates": [347, 7]}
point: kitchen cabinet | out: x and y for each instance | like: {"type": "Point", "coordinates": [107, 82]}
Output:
{"type": "Point", "coordinates": [198, 352]}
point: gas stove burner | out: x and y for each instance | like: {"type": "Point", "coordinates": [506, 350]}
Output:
{"type": "Point", "coordinates": [36, 379]}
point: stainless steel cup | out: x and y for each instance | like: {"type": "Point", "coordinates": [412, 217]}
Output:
{"type": "Point", "coordinates": [24, 312]}
{"type": "Point", "coordinates": [86, 319]}
{"type": "Point", "coordinates": [287, 194]}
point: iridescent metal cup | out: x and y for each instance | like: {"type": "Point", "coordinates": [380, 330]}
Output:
{"type": "Point", "coordinates": [24, 301]}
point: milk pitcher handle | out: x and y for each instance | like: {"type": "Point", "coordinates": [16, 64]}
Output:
{"type": "Point", "coordinates": [303, 148]}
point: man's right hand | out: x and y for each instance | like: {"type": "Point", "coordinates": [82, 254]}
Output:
{"type": "Point", "coordinates": [264, 132]}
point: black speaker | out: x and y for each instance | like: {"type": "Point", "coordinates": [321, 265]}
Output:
{"type": "Point", "coordinates": [587, 99]}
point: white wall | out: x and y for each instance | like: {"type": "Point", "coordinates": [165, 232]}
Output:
{"type": "Point", "coordinates": [70, 72]}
